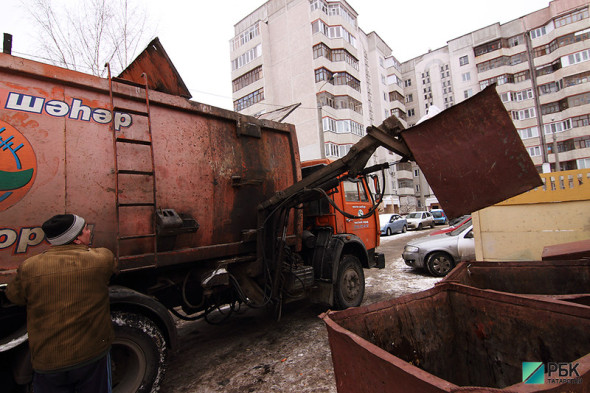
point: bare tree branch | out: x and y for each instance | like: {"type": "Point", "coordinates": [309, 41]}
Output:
{"type": "Point", "coordinates": [84, 35]}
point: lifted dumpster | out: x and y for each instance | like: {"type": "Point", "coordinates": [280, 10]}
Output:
{"type": "Point", "coordinates": [455, 338]}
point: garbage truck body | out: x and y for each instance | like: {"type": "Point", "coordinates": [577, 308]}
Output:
{"type": "Point", "coordinates": [172, 187]}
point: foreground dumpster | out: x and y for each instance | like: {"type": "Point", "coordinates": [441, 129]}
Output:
{"type": "Point", "coordinates": [567, 280]}
{"type": "Point", "coordinates": [570, 250]}
{"type": "Point", "coordinates": [455, 338]}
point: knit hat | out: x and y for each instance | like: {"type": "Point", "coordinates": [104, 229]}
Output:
{"type": "Point", "coordinates": [63, 228]}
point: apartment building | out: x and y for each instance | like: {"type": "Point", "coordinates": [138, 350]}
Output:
{"type": "Point", "coordinates": [541, 66]}
{"type": "Point", "coordinates": [314, 53]}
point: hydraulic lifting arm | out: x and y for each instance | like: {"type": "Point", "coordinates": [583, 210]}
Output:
{"type": "Point", "coordinates": [386, 135]}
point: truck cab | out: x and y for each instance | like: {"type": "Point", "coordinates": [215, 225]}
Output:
{"type": "Point", "coordinates": [354, 197]}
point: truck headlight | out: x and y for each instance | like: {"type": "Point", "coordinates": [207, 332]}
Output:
{"type": "Point", "coordinates": [411, 249]}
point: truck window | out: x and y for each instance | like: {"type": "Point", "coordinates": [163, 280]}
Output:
{"type": "Point", "coordinates": [354, 191]}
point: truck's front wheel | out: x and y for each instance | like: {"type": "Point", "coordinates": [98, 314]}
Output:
{"type": "Point", "coordinates": [138, 354]}
{"type": "Point", "coordinates": [349, 288]}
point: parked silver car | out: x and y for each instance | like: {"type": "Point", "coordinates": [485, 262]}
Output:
{"type": "Point", "coordinates": [392, 223]}
{"type": "Point", "coordinates": [439, 254]}
{"type": "Point", "coordinates": [420, 220]}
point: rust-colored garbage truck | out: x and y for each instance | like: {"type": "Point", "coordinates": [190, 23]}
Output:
{"type": "Point", "coordinates": [205, 209]}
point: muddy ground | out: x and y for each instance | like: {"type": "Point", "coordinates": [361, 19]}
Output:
{"type": "Point", "coordinates": [252, 352]}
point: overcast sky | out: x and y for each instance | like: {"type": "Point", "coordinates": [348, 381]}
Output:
{"type": "Point", "coordinates": [196, 33]}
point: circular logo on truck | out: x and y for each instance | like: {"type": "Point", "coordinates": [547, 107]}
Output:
{"type": "Point", "coordinates": [18, 166]}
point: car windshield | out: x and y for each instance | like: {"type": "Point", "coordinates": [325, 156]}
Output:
{"type": "Point", "coordinates": [460, 229]}
{"type": "Point", "coordinates": [415, 215]}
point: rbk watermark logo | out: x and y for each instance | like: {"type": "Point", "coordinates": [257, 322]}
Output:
{"type": "Point", "coordinates": [533, 372]}
{"type": "Point", "coordinates": [557, 373]}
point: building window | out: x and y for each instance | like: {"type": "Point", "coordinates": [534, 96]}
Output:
{"type": "Point", "coordinates": [411, 112]}
{"type": "Point", "coordinates": [506, 78]}
{"type": "Point", "coordinates": [560, 42]}
{"type": "Point", "coordinates": [396, 96]}
{"type": "Point", "coordinates": [322, 50]}
{"type": "Point", "coordinates": [468, 93]}
{"type": "Point", "coordinates": [246, 36]}
{"type": "Point", "coordinates": [556, 127]}
{"type": "Point", "coordinates": [337, 31]}
{"type": "Point", "coordinates": [247, 57]}
{"type": "Point", "coordinates": [407, 83]}
{"type": "Point", "coordinates": [486, 48]}
{"type": "Point", "coordinates": [536, 33]}
{"type": "Point", "coordinates": [466, 76]}
{"type": "Point", "coordinates": [464, 60]}
{"type": "Point", "coordinates": [331, 149]}
{"type": "Point", "coordinates": [551, 87]}
{"type": "Point", "coordinates": [250, 99]}
{"type": "Point", "coordinates": [409, 98]}
{"type": "Point", "coordinates": [247, 78]}
{"type": "Point", "coordinates": [515, 41]}
{"type": "Point", "coordinates": [534, 151]}
{"type": "Point", "coordinates": [571, 17]}
{"type": "Point", "coordinates": [517, 96]}
{"type": "Point", "coordinates": [502, 61]}
{"type": "Point", "coordinates": [397, 113]}
{"type": "Point", "coordinates": [580, 121]}
{"type": "Point", "coordinates": [523, 114]}
{"type": "Point", "coordinates": [582, 142]}
{"type": "Point", "coordinates": [340, 78]}
{"type": "Point", "coordinates": [334, 150]}
{"type": "Point", "coordinates": [576, 58]}
{"type": "Point", "coordinates": [548, 68]}
{"type": "Point", "coordinates": [343, 126]}
{"type": "Point", "coordinates": [522, 95]}
{"type": "Point", "coordinates": [319, 5]}
{"type": "Point", "coordinates": [527, 133]}
{"type": "Point", "coordinates": [339, 102]}
{"type": "Point", "coordinates": [553, 107]}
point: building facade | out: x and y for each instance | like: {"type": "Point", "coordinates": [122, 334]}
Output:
{"type": "Point", "coordinates": [314, 53]}
{"type": "Point", "coordinates": [541, 66]}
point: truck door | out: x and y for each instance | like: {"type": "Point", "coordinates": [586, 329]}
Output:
{"type": "Point", "coordinates": [358, 203]}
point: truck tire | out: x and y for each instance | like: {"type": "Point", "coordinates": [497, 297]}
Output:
{"type": "Point", "coordinates": [349, 288]}
{"type": "Point", "coordinates": [138, 354]}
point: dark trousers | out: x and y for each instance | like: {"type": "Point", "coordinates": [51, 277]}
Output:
{"type": "Point", "coordinates": [91, 378]}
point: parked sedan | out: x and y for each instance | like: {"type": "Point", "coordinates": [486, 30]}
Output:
{"type": "Point", "coordinates": [439, 254]}
{"type": "Point", "coordinates": [420, 220]}
{"type": "Point", "coordinates": [392, 223]}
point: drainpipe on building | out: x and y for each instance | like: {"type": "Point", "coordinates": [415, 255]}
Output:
{"type": "Point", "coordinates": [320, 120]}
{"type": "Point", "coordinates": [529, 52]}
{"type": "Point", "coordinates": [321, 131]}
{"type": "Point", "coordinates": [554, 148]}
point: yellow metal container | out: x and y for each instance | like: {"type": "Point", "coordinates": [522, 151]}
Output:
{"type": "Point", "coordinates": [519, 228]}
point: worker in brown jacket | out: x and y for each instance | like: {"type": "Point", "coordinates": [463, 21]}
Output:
{"type": "Point", "coordinates": [65, 290]}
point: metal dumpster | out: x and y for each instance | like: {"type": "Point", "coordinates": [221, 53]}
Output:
{"type": "Point", "coordinates": [567, 280]}
{"type": "Point", "coordinates": [571, 250]}
{"type": "Point", "coordinates": [455, 338]}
